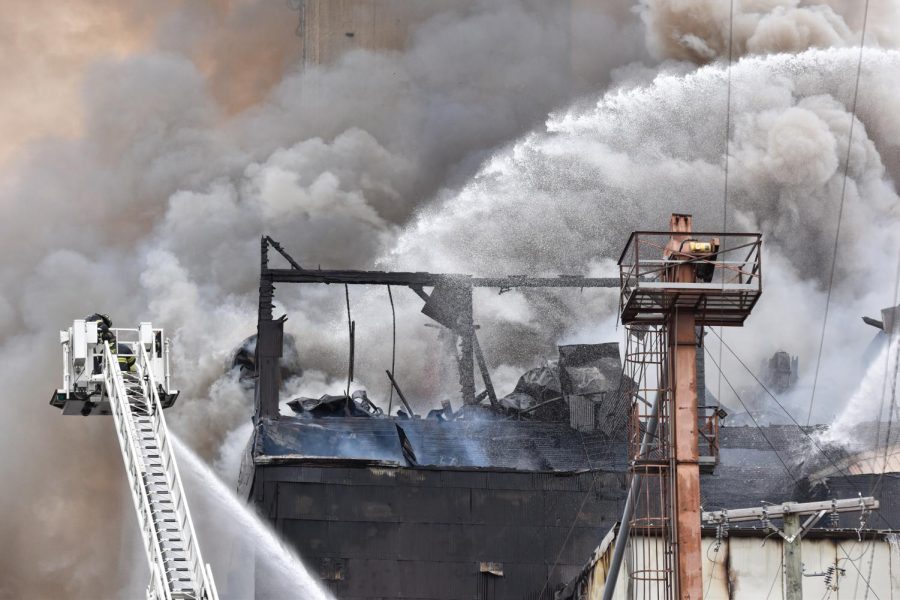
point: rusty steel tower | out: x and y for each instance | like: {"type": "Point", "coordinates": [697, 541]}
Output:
{"type": "Point", "coordinates": [673, 284]}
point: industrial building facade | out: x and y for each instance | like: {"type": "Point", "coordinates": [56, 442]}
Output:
{"type": "Point", "coordinates": [746, 565]}
{"type": "Point", "coordinates": [503, 497]}
{"type": "Point", "coordinates": [480, 515]}
{"type": "Point", "coordinates": [511, 514]}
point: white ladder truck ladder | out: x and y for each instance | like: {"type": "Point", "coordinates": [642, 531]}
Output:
{"type": "Point", "coordinates": [127, 375]}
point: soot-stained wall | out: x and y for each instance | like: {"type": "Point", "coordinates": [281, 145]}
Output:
{"type": "Point", "coordinates": [383, 532]}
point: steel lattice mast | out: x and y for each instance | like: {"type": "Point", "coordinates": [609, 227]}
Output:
{"type": "Point", "coordinates": [672, 285]}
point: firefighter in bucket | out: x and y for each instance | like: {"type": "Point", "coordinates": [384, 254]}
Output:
{"type": "Point", "coordinates": [123, 352]}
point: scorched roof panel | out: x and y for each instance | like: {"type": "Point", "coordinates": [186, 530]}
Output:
{"type": "Point", "coordinates": [497, 445]}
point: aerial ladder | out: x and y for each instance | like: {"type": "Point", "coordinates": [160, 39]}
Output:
{"type": "Point", "coordinates": [125, 373]}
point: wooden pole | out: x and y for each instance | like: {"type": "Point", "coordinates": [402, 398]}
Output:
{"type": "Point", "coordinates": [793, 563]}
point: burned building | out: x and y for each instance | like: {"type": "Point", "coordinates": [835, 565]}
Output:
{"type": "Point", "coordinates": [496, 497]}
{"type": "Point", "coordinates": [500, 498]}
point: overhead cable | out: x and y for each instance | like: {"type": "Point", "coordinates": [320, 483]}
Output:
{"type": "Point", "coordinates": [727, 148]}
{"type": "Point", "coordinates": [755, 422]}
{"type": "Point", "coordinates": [802, 429]}
{"type": "Point", "coordinates": [837, 233]}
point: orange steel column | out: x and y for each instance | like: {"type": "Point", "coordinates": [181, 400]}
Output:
{"type": "Point", "coordinates": [683, 378]}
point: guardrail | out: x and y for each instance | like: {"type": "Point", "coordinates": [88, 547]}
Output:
{"type": "Point", "coordinates": [199, 569]}
{"type": "Point", "coordinates": [134, 464]}
{"type": "Point", "coordinates": [728, 283]}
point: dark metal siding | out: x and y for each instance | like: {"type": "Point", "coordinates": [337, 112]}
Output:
{"type": "Point", "coordinates": [405, 533]}
{"type": "Point", "coordinates": [417, 532]}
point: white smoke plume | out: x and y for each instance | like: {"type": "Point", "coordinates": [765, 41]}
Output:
{"type": "Point", "coordinates": [645, 151]}
{"type": "Point", "coordinates": [196, 132]}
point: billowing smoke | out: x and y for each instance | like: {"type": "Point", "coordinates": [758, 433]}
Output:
{"type": "Point", "coordinates": [188, 129]}
{"type": "Point", "coordinates": [644, 151]}
{"type": "Point", "coordinates": [199, 133]}
{"type": "Point", "coordinates": [701, 31]}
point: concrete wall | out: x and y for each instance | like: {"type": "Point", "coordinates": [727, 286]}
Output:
{"type": "Point", "coordinates": [329, 28]}
{"type": "Point", "coordinates": [746, 569]}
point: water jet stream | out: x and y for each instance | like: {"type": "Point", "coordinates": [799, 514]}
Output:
{"type": "Point", "coordinates": [247, 557]}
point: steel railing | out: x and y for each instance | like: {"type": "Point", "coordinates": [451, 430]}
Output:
{"type": "Point", "coordinates": [134, 466]}
{"type": "Point", "coordinates": [129, 443]}
{"type": "Point", "coordinates": [199, 569]}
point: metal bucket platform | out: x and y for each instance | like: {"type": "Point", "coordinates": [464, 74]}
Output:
{"type": "Point", "coordinates": [732, 285]}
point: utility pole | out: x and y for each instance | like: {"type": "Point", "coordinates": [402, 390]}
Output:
{"type": "Point", "coordinates": [792, 531]}
{"type": "Point", "coordinates": [793, 560]}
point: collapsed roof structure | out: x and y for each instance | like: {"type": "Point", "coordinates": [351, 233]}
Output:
{"type": "Point", "coordinates": [498, 497]}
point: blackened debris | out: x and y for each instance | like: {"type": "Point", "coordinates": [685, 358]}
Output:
{"type": "Point", "coordinates": [592, 382]}
{"type": "Point", "coordinates": [408, 453]}
{"type": "Point", "coordinates": [538, 394]}
{"type": "Point", "coordinates": [357, 405]}
{"type": "Point", "coordinates": [448, 300]}
{"type": "Point", "coordinates": [585, 388]}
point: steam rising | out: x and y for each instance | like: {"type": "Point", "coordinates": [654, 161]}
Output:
{"type": "Point", "coordinates": [152, 210]}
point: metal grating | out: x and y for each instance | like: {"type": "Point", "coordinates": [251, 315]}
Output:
{"type": "Point", "coordinates": [724, 297]}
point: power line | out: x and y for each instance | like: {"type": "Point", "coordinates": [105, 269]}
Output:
{"type": "Point", "coordinates": [863, 577]}
{"type": "Point", "coordinates": [837, 233]}
{"type": "Point", "coordinates": [794, 421]}
{"type": "Point", "coordinates": [713, 569]}
{"type": "Point", "coordinates": [822, 451]}
{"type": "Point", "coordinates": [755, 422]}
{"type": "Point", "coordinates": [774, 580]}
{"type": "Point", "coordinates": [393, 346]}
{"type": "Point", "coordinates": [727, 148]}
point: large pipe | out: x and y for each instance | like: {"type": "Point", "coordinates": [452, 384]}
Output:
{"type": "Point", "coordinates": [615, 564]}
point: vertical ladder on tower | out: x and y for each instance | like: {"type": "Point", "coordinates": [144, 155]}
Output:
{"type": "Point", "coordinates": [674, 283]}
{"type": "Point", "coordinates": [121, 379]}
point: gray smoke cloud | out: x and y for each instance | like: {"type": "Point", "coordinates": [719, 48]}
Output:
{"type": "Point", "coordinates": [699, 30]}
{"type": "Point", "coordinates": [196, 134]}
{"type": "Point", "coordinates": [153, 208]}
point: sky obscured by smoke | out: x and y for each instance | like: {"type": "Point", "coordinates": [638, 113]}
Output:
{"type": "Point", "coordinates": [150, 145]}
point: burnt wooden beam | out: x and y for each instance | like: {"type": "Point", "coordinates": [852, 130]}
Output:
{"type": "Point", "coordinates": [415, 279]}
{"type": "Point", "coordinates": [485, 373]}
{"type": "Point", "coordinates": [400, 394]}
